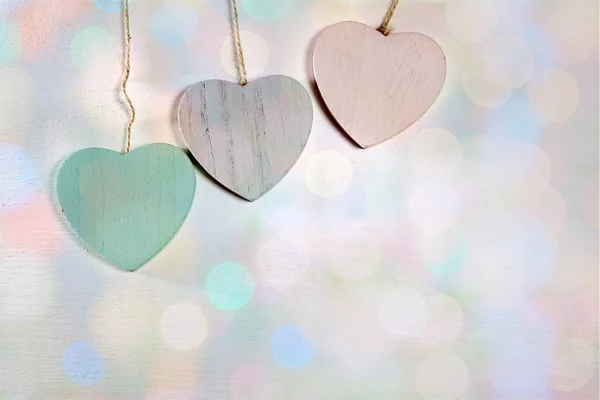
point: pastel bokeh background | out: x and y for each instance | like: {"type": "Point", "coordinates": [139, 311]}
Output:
{"type": "Point", "coordinates": [458, 260]}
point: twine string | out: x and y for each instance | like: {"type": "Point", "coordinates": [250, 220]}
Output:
{"type": "Point", "coordinates": [385, 26]}
{"type": "Point", "coordinates": [241, 66]}
{"type": "Point", "coordinates": [126, 75]}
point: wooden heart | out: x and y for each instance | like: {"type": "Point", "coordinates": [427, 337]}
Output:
{"type": "Point", "coordinates": [246, 137]}
{"type": "Point", "coordinates": [127, 207]}
{"type": "Point", "coordinates": [376, 86]}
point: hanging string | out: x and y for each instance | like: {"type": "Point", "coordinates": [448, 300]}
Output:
{"type": "Point", "coordinates": [126, 75]}
{"type": "Point", "coordinates": [385, 26]}
{"type": "Point", "coordinates": [241, 66]}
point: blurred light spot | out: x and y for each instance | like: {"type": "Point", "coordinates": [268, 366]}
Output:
{"type": "Point", "coordinates": [402, 313]}
{"type": "Point", "coordinates": [27, 289]}
{"type": "Point", "coordinates": [442, 376]}
{"type": "Point", "coordinates": [542, 45]}
{"type": "Point", "coordinates": [521, 370]}
{"type": "Point", "coordinates": [549, 208]}
{"type": "Point", "coordinates": [112, 6]}
{"type": "Point", "coordinates": [267, 10]}
{"type": "Point", "coordinates": [573, 365]}
{"type": "Point", "coordinates": [19, 178]}
{"type": "Point", "coordinates": [480, 88]}
{"type": "Point", "coordinates": [510, 258]}
{"type": "Point", "coordinates": [249, 382]}
{"type": "Point", "coordinates": [175, 23]}
{"type": "Point", "coordinates": [10, 42]}
{"type": "Point", "coordinates": [87, 44]}
{"type": "Point", "coordinates": [329, 12]}
{"type": "Point", "coordinates": [435, 153]}
{"type": "Point", "coordinates": [519, 343]}
{"type": "Point", "coordinates": [352, 250]}
{"type": "Point", "coordinates": [229, 286]}
{"type": "Point", "coordinates": [290, 348]}
{"type": "Point", "coordinates": [282, 261]}
{"type": "Point", "coordinates": [445, 321]}
{"type": "Point", "coordinates": [183, 326]}
{"type": "Point", "coordinates": [328, 174]}
{"type": "Point", "coordinates": [256, 54]}
{"type": "Point", "coordinates": [443, 254]}
{"type": "Point", "coordinates": [124, 320]}
{"type": "Point", "coordinates": [554, 95]}
{"type": "Point", "coordinates": [504, 168]}
{"type": "Point", "coordinates": [83, 364]}
{"type": "Point", "coordinates": [508, 60]}
{"type": "Point", "coordinates": [574, 26]}
{"type": "Point", "coordinates": [434, 206]}
{"type": "Point", "coordinates": [470, 21]}
{"type": "Point", "coordinates": [514, 120]}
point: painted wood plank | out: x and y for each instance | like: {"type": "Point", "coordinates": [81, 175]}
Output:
{"type": "Point", "coordinates": [376, 86]}
{"type": "Point", "coordinates": [246, 137]}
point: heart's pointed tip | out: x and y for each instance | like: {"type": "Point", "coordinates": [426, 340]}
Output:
{"type": "Point", "coordinates": [130, 269]}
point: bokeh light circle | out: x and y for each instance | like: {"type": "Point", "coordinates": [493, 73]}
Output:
{"type": "Point", "coordinates": [83, 364]}
{"type": "Point", "coordinates": [10, 42]}
{"type": "Point", "coordinates": [472, 21]}
{"type": "Point", "coordinates": [435, 153]}
{"type": "Point", "coordinates": [124, 320]}
{"type": "Point", "coordinates": [509, 61]}
{"type": "Point", "coordinates": [574, 29]}
{"type": "Point", "coordinates": [549, 208]}
{"type": "Point", "coordinates": [267, 10]}
{"type": "Point", "coordinates": [505, 168]}
{"type": "Point", "coordinates": [282, 261]}
{"type": "Point", "coordinates": [554, 95]}
{"type": "Point", "coordinates": [112, 6]}
{"type": "Point", "coordinates": [87, 44]}
{"type": "Point", "coordinates": [442, 254]}
{"type": "Point", "coordinates": [445, 321]}
{"type": "Point", "coordinates": [573, 365]}
{"type": "Point", "coordinates": [435, 206]}
{"type": "Point", "coordinates": [183, 326]}
{"type": "Point", "coordinates": [328, 174]}
{"type": "Point", "coordinates": [442, 376]}
{"type": "Point", "coordinates": [290, 348]}
{"type": "Point", "coordinates": [175, 23]}
{"type": "Point", "coordinates": [352, 250]}
{"type": "Point", "coordinates": [329, 12]}
{"type": "Point", "coordinates": [20, 178]}
{"type": "Point", "coordinates": [402, 313]}
{"type": "Point", "coordinates": [256, 54]}
{"type": "Point", "coordinates": [249, 382]}
{"type": "Point", "coordinates": [229, 286]}
{"type": "Point", "coordinates": [480, 88]}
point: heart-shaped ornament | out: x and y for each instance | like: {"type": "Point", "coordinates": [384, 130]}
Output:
{"type": "Point", "coordinates": [376, 86]}
{"type": "Point", "coordinates": [246, 137]}
{"type": "Point", "coordinates": [127, 207]}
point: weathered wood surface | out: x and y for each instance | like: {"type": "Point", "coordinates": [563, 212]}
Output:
{"type": "Point", "coordinates": [127, 207]}
{"type": "Point", "coordinates": [246, 137]}
{"type": "Point", "coordinates": [376, 86]}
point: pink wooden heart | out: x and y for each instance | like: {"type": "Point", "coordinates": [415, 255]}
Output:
{"type": "Point", "coordinates": [376, 86]}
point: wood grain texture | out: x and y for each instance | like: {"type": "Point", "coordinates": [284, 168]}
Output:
{"type": "Point", "coordinates": [376, 86]}
{"type": "Point", "coordinates": [246, 137]}
{"type": "Point", "coordinates": [127, 207]}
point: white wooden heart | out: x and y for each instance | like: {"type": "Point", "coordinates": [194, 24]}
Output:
{"type": "Point", "coordinates": [246, 137]}
{"type": "Point", "coordinates": [376, 86]}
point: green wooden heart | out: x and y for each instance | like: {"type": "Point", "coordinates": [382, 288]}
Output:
{"type": "Point", "coordinates": [127, 207]}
